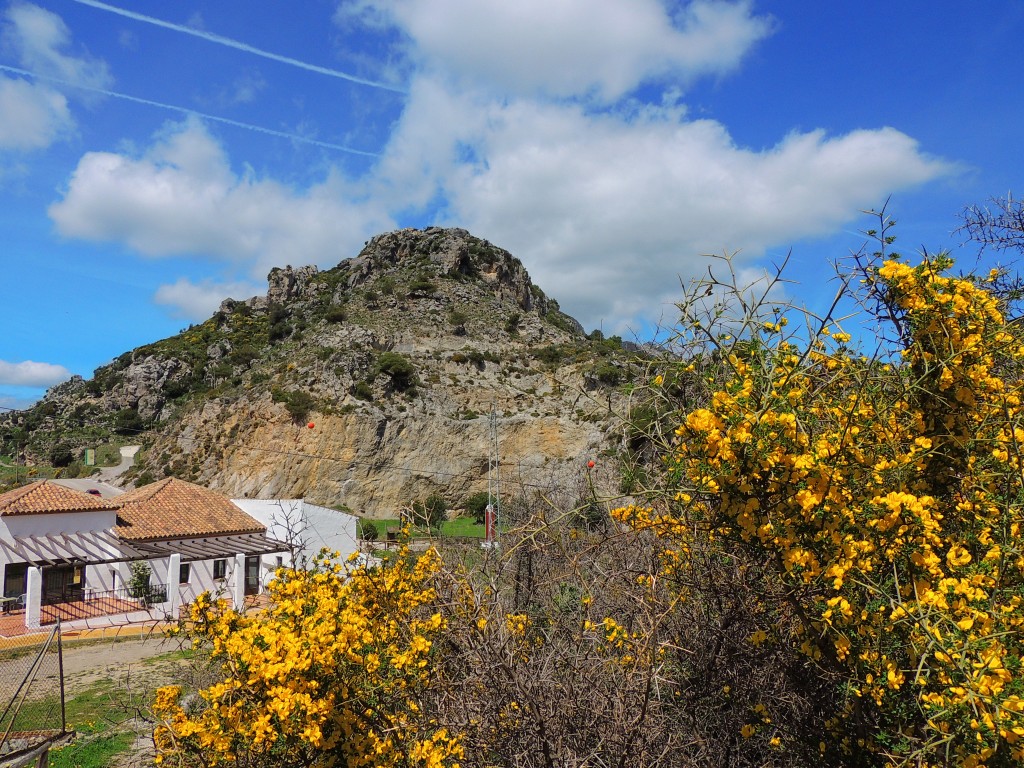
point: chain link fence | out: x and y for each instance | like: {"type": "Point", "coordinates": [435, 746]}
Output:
{"type": "Point", "coordinates": [31, 693]}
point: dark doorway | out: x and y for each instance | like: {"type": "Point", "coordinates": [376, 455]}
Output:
{"type": "Point", "coordinates": [14, 579]}
{"type": "Point", "coordinates": [63, 584]}
{"type": "Point", "coordinates": [252, 575]}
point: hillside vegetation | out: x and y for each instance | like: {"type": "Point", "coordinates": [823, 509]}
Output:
{"type": "Point", "coordinates": [397, 356]}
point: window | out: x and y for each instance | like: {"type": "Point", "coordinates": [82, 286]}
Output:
{"type": "Point", "coordinates": [184, 572]}
{"type": "Point", "coordinates": [220, 569]}
{"type": "Point", "coordinates": [280, 561]}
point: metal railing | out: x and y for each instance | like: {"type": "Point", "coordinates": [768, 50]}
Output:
{"type": "Point", "coordinates": [152, 594]}
{"type": "Point", "coordinates": [93, 603]}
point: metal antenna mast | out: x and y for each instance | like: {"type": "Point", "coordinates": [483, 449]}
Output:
{"type": "Point", "coordinates": [493, 481]}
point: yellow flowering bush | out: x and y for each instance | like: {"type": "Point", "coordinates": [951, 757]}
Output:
{"type": "Point", "coordinates": [332, 673]}
{"type": "Point", "coordinates": [885, 498]}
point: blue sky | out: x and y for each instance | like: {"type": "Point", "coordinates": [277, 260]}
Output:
{"type": "Point", "coordinates": [156, 158]}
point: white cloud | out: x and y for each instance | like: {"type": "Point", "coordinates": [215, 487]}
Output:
{"type": "Point", "coordinates": [606, 207]}
{"type": "Point", "coordinates": [572, 47]}
{"type": "Point", "coordinates": [33, 116]}
{"type": "Point", "coordinates": [607, 210]}
{"type": "Point", "coordinates": [36, 114]}
{"type": "Point", "coordinates": [181, 197]}
{"type": "Point", "coordinates": [32, 374]}
{"type": "Point", "coordinates": [197, 301]}
{"type": "Point", "coordinates": [245, 89]}
{"type": "Point", "coordinates": [40, 38]}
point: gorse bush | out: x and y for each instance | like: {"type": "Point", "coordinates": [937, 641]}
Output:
{"type": "Point", "coordinates": [886, 496]}
{"type": "Point", "coordinates": [330, 675]}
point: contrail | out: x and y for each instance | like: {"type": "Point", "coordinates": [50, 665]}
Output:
{"type": "Point", "coordinates": [184, 111]}
{"type": "Point", "coordinates": [227, 41]}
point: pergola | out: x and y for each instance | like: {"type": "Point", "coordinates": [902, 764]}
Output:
{"type": "Point", "coordinates": [96, 548]}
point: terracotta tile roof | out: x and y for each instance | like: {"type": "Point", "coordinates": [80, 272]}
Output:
{"type": "Point", "coordinates": [45, 497]}
{"type": "Point", "coordinates": [173, 509]}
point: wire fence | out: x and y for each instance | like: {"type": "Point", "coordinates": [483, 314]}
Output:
{"type": "Point", "coordinates": [31, 692]}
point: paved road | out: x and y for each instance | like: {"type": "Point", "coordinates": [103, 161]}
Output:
{"type": "Point", "coordinates": [109, 474]}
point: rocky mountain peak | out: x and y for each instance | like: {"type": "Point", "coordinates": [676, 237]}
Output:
{"type": "Point", "coordinates": [453, 253]}
{"type": "Point", "coordinates": [396, 355]}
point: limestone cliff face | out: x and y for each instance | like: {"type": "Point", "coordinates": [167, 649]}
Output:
{"type": "Point", "coordinates": [397, 357]}
{"type": "Point", "coordinates": [377, 464]}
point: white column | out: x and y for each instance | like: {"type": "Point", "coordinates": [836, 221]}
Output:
{"type": "Point", "coordinates": [173, 590]}
{"type": "Point", "coordinates": [33, 596]}
{"type": "Point", "coordinates": [238, 585]}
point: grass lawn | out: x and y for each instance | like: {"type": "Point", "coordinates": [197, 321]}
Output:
{"type": "Point", "coordinates": [460, 527]}
{"type": "Point", "coordinates": [463, 527]}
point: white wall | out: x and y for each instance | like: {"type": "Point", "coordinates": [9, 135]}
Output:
{"type": "Point", "coordinates": [56, 522]}
{"type": "Point", "coordinates": [313, 526]}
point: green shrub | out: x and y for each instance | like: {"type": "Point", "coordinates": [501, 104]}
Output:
{"type": "Point", "coordinates": [398, 367]}
{"type": "Point", "coordinates": [297, 402]}
{"type": "Point", "coordinates": [476, 505]}
{"type": "Point", "coordinates": [128, 421]}
{"type": "Point", "coordinates": [61, 455]}
{"type": "Point", "coordinates": [552, 354]}
{"type": "Point", "coordinates": [423, 287]}
{"type": "Point", "coordinates": [607, 373]}
{"type": "Point", "coordinates": [362, 391]}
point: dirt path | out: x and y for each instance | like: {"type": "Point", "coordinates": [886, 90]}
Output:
{"type": "Point", "coordinates": [88, 661]}
{"type": "Point", "coordinates": [116, 676]}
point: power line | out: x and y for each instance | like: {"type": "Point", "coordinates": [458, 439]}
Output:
{"type": "Point", "coordinates": [238, 45]}
{"type": "Point", "coordinates": [190, 112]}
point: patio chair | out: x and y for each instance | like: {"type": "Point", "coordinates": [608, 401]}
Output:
{"type": "Point", "coordinates": [15, 604]}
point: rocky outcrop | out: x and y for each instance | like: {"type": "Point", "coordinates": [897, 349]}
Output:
{"type": "Point", "coordinates": [288, 283]}
{"type": "Point", "coordinates": [143, 384]}
{"type": "Point", "coordinates": [452, 252]}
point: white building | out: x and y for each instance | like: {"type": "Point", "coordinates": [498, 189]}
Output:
{"type": "Point", "coordinates": [60, 547]}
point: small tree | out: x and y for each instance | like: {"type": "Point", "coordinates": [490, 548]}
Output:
{"type": "Point", "coordinates": [138, 579]}
{"type": "Point", "coordinates": [431, 512]}
{"type": "Point", "coordinates": [368, 530]}
{"type": "Point", "coordinates": [476, 505]}
{"type": "Point", "coordinates": [128, 421]}
{"type": "Point", "coordinates": [401, 371]}
{"type": "Point", "coordinates": [61, 455]}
